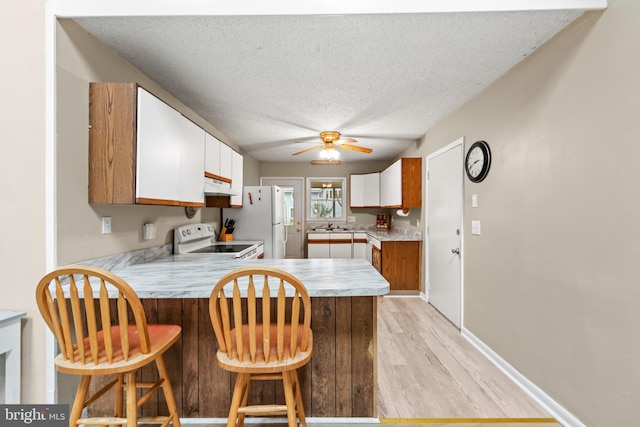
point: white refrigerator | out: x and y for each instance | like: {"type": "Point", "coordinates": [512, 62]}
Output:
{"type": "Point", "coordinates": [261, 217]}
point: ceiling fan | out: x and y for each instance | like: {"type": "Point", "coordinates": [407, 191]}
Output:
{"type": "Point", "coordinates": [330, 141]}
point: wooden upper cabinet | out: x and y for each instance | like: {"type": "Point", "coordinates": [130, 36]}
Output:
{"type": "Point", "coordinates": [401, 184]}
{"type": "Point", "coordinates": [112, 142]}
{"type": "Point", "coordinates": [142, 151]}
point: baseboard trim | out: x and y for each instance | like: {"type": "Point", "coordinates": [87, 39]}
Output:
{"type": "Point", "coordinates": [563, 416]}
{"type": "Point", "coordinates": [467, 420]}
{"type": "Point", "coordinates": [281, 420]}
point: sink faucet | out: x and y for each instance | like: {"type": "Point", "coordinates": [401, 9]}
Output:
{"type": "Point", "coordinates": [329, 225]}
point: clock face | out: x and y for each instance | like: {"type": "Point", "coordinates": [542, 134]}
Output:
{"type": "Point", "coordinates": [478, 161]}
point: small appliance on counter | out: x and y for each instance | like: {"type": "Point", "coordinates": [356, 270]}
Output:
{"type": "Point", "coordinates": [383, 221]}
{"type": "Point", "coordinates": [262, 218]}
{"type": "Point", "coordinates": [201, 239]}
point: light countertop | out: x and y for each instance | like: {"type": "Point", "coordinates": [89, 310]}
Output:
{"type": "Point", "coordinates": [194, 275]}
{"type": "Point", "coordinates": [395, 234]}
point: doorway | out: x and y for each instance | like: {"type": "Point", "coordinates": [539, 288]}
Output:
{"type": "Point", "coordinates": [445, 197]}
{"type": "Point", "coordinates": [294, 213]}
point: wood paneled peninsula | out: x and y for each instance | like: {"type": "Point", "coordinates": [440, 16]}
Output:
{"type": "Point", "coordinates": [340, 380]}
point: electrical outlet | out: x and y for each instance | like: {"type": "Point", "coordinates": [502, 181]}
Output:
{"type": "Point", "coordinates": [351, 219]}
{"type": "Point", "coordinates": [475, 227]}
{"type": "Point", "coordinates": [106, 225]}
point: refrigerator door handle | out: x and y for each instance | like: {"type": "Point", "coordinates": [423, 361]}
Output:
{"type": "Point", "coordinates": [284, 217]}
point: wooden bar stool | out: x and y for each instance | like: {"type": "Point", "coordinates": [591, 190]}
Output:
{"type": "Point", "coordinates": [97, 337]}
{"type": "Point", "coordinates": [258, 347]}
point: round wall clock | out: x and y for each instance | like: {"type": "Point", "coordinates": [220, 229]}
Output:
{"type": "Point", "coordinates": [478, 161]}
{"type": "Point", "coordinates": [190, 211]}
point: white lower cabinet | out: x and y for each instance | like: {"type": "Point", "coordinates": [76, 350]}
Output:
{"type": "Point", "coordinates": [340, 245]}
{"type": "Point", "coordinates": [360, 246]}
{"type": "Point", "coordinates": [318, 245]}
{"type": "Point", "coordinates": [329, 245]}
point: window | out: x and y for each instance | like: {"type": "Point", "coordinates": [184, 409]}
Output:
{"type": "Point", "coordinates": [289, 205]}
{"type": "Point", "coordinates": [326, 199]}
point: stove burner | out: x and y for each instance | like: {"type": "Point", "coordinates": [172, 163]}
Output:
{"type": "Point", "coordinates": [227, 248]}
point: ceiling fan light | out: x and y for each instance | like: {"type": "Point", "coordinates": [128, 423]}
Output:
{"type": "Point", "coordinates": [329, 154]}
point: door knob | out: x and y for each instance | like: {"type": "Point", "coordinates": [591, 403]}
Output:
{"type": "Point", "coordinates": [298, 229]}
{"type": "Point", "coordinates": [455, 251]}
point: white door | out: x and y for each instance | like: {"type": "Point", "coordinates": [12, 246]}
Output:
{"type": "Point", "coordinates": [444, 224]}
{"type": "Point", "coordinates": [294, 213]}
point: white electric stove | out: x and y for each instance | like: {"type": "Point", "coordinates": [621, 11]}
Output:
{"type": "Point", "coordinates": [201, 239]}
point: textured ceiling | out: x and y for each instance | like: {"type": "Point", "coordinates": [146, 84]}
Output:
{"type": "Point", "coordinates": [269, 82]}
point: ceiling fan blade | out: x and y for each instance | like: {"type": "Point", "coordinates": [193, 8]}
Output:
{"type": "Point", "coordinates": [346, 140]}
{"type": "Point", "coordinates": [308, 149]}
{"type": "Point", "coordinates": [354, 148]}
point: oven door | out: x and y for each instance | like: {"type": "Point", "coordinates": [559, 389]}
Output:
{"type": "Point", "coordinates": [253, 253]}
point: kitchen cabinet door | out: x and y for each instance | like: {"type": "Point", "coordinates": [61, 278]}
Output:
{"type": "Point", "coordinates": [237, 172]}
{"type": "Point", "coordinates": [360, 245]}
{"type": "Point", "coordinates": [401, 184]}
{"type": "Point", "coordinates": [191, 164]}
{"type": "Point", "coordinates": [376, 259]}
{"type": "Point", "coordinates": [340, 245]}
{"type": "Point", "coordinates": [212, 156]}
{"type": "Point", "coordinates": [318, 245]}
{"type": "Point", "coordinates": [401, 264]}
{"type": "Point", "coordinates": [226, 162]}
{"type": "Point", "coordinates": [158, 151]}
{"type": "Point", "coordinates": [365, 190]}
{"type": "Point", "coordinates": [391, 185]}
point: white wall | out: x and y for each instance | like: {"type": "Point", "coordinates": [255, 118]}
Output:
{"type": "Point", "coordinates": [552, 284]}
{"type": "Point", "coordinates": [22, 177]}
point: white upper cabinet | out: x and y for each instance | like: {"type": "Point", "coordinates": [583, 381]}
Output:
{"type": "Point", "coordinates": [191, 165]}
{"type": "Point", "coordinates": [391, 185]}
{"type": "Point", "coordinates": [226, 162]}
{"type": "Point", "coordinates": [401, 184]}
{"type": "Point", "coordinates": [218, 161]}
{"type": "Point", "coordinates": [237, 172]}
{"type": "Point", "coordinates": [365, 190]}
{"type": "Point", "coordinates": [158, 150]}
{"type": "Point", "coordinates": [141, 150]}
{"type": "Point", "coordinates": [212, 156]}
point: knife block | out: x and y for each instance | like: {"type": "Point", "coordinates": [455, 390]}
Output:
{"type": "Point", "coordinates": [224, 237]}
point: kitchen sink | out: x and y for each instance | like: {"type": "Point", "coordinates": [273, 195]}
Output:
{"type": "Point", "coordinates": [329, 229]}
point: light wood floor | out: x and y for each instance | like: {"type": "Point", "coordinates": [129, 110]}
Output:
{"type": "Point", "coordinates": [429, 376]}
{"type": "Point", "coordinates": [426, 369]}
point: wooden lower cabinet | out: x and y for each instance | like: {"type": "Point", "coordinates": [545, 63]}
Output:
{"type": "Point", "coordinates": [376, 259]}
{"type": "Point", "coordinates": [339, 381]}
{"type": "Point", "coordinates": [400, 264]}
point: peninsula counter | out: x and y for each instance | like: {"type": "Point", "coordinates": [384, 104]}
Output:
{"type": "Point", "coordinates": [340, 380]}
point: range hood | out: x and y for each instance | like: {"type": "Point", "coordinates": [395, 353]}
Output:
{"type": "Point", "coordinates": [213, 187]}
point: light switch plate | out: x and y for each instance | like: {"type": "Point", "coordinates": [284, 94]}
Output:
{"type": "Point", "coordinates": [106, 225]}
{"type": "Point", "coordinates": [474, 200]}
{"type": "Point", "coordinates": [475, 227]}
